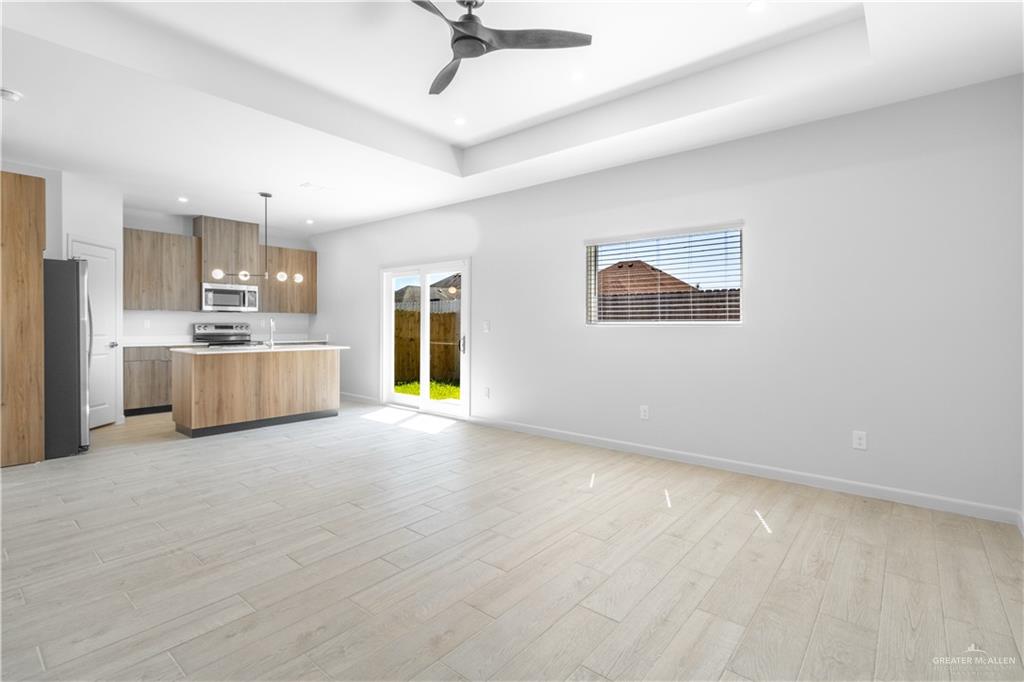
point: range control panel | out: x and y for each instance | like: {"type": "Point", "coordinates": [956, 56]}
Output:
{"type": "Point", "coordinates": [221, 328]}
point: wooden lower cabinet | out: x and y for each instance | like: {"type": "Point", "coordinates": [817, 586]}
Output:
{"type": "Point", "coordinates": [22, 240]}
{"type": "Point", "coordinates": [147, 379]}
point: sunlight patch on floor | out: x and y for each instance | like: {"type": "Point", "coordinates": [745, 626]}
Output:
{"type": "Point", "coordinates": [389, 415]}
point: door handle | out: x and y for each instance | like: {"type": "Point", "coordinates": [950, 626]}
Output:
{"type": "Point", "coordinates": [88, 307]}
{"type": "Point", "coordinates": [462, 344]}
{"type": "Point", "coordinates": [112, 344]}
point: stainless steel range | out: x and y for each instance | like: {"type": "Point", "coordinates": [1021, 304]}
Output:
{"type": "Point", "coordinates": [223, 334]}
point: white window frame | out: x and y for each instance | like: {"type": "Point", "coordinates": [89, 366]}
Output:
{"type": "Point", "coordinates": [713, 227]}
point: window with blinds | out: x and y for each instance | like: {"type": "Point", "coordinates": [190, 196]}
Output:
{"type": "Point", "coordinates": [685, 277]}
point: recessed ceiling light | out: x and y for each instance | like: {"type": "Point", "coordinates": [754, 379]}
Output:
{"type": "Point", "coordinates": [757, 5]}
{"type": "Point", "coordinates": [10, 95]}
{"type": "Point", "coordinates": [460, 121]}
{"type": "Point", "coordinates": [183, 200]}
{"type": "Point", "coordinates": [577, 75]}
{"type": "Point", "coordinates": [309, 221]}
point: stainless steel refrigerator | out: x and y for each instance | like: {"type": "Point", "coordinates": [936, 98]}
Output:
{"type": "Point", "coordinates": [67, 320]}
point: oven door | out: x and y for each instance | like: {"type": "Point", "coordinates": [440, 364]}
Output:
{"type": "Point", "coordinates": [229, 298]}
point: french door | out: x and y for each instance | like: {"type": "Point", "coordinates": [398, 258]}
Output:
{"type": "Point", "coordinates": [426, 344]}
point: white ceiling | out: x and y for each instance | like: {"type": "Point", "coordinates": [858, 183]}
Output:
{"type": "Point", "coordinates": [384, 55]}
{"type": "Point", "coordinates": [217, 101]}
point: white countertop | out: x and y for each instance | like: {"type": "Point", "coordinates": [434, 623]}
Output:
{"type": "Point", "coordinates": [224, 350]}
{"type": "Point", "coordinates": [158, 342]}
{"type": "Point", "coordinates": [186, 341]}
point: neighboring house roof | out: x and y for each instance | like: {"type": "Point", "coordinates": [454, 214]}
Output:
{"type": "Point", "coordinates": [638, 277]}
{"type": "Point", "coordinates": [439, 291]}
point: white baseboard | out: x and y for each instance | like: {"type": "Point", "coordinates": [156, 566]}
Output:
{"type": "Point", "coordinates": [917, 499]}
{"type": "Point", "coordinates": [359, 398]}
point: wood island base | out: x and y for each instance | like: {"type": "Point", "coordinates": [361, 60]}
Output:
{"type": "Point", "coordinates": [218, 391]}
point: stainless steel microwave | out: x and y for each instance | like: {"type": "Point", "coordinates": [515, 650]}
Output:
{"type": "Point", "coordinates": [231, 298]}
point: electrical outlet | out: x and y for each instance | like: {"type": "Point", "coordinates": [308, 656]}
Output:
{"type": "Point", "coordinates": [487, 391]}
{"type": "Point", "coordinates": [487, 326]}
{"type": "Point", "coordinates": [645, 413]}
{"type": "Point", "coordinates": [860, 440]}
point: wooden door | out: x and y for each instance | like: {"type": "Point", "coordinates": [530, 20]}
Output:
{"type": "Point", "coordinates": [305, 290]}
{"type": "Point", "coordinates": [161, 271]}
{"type": "Point", "coordinates": [289, 296]}
{"type": "Point", "coordinates": [22, 240]}
{"type": "Point", "coordinates": [228, 245]}
{"type": "Point", "coordinates": [180, 272]}
{"type": "Point", "coordinates": [141, 270]}
{"type": "Point", "coordinates": [147, 377]}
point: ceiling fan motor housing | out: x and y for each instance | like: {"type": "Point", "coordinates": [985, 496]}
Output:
{"type": "Point", "coordinates": [466, 47]}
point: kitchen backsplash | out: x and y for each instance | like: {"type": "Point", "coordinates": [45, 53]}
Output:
{"type": "Point", "coordinates": [139, 324]}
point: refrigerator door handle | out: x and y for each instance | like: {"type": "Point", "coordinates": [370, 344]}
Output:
{"type": "Point", "coordinates": [84, 348]}
{"type": "Point", "coordinates": [88, 307]}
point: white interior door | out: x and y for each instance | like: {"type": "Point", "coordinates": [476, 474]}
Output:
{"type": "Point", "coordinates": [104, 293]}
{"type": "Point", "coordinates": [426, 343]}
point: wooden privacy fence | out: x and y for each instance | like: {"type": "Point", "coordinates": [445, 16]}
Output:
{"type": "Point", "coordinates": [711, 304]}
{"type": "Point", "coordinates": [444, 346]}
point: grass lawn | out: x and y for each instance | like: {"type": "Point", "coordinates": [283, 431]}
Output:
{"type": "Point", "coordinates": [438, 391]}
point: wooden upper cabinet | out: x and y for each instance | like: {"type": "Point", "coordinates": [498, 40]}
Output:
{"type": "Point", "coordinates": [165, 271]}
{"type": "Point", "coordinates": [228, 245]}
{"type": "Point", "coordinates": [290, 296]}
{"type": "Point", "coordinates": [23, 238]}
{"type": "Point", "coordinates": [161, 271]}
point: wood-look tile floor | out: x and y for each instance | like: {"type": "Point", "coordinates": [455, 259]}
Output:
{"type": "Point", "coordinates": [358, 549]}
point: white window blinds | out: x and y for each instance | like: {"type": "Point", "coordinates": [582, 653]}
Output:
{"type": "Point", "coordinates": [689, 277]}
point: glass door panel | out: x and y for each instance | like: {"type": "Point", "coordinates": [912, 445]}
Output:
{"type": "Point", "coordinates": [445, 330]}
{"type": "Point", "coordinates": [407, 339]}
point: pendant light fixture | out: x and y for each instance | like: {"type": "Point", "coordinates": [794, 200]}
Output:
{"type": "Point", "coordinates": [245, 275]}
{"type": "Point", "coordinates": [266, 237]}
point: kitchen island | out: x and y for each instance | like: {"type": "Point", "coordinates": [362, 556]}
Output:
{"type": "Point", "coordinates": [221, 389]}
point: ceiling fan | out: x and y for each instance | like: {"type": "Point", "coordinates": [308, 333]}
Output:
{"type": "Point", "coordinates": [470, 38]}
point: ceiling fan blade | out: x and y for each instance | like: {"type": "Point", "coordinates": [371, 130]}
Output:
{"type": "Point", "coordinates": [444, 78]}
{"type": "Point", "coordinates": [432, 8]}
{"type": "Point", "coordinates": [534, 39]}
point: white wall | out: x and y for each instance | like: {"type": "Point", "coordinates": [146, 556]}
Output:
{"type": "Point", "coordinates": [882, 292]}
{"type": "Point", "coordinates": [141, 219]}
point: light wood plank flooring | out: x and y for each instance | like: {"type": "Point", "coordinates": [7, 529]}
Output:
{"type": "Point", "coordinates": [385, 546]}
